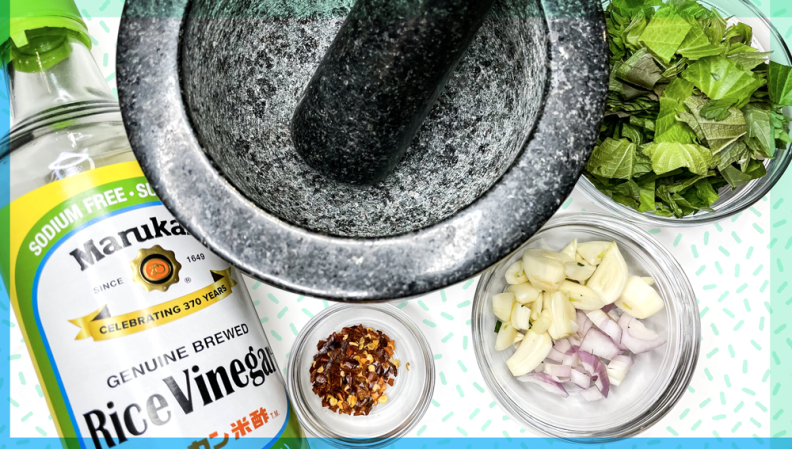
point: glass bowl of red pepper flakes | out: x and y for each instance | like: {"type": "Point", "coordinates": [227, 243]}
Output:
{"type": "Point", "coordinates": [360, 375]}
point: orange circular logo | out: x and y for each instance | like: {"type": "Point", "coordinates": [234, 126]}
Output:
{"type": "Point", "coordinates": [156, 269]}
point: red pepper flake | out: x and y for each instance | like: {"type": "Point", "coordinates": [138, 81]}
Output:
{"type": "Point", "coordinates": [352, 370]}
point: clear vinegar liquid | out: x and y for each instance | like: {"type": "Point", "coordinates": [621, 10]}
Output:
{"type": "Point", "coordinates": [67, 148]}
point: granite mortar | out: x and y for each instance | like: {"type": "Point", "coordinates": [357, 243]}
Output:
{"type": "Point", "coordinates": [242, 78]}
{"type": "Point", "coordinates": [294, 258]}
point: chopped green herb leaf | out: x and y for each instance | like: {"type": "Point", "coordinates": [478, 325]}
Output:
{"type": "Point", "coordinates": [705, 192]}
{"type": "Point", "coordinates": [669, 129]}
{"type": "Point", "coordinates": [715, 27]}
{"type": "Point", "coordinates": [613, 159]}
{"type": "Point", "coordinates": [718, 110]}
{"type": "Point", "coordinates": [719, 77]}
{"type": "Point", "coordinates": [696, 44]}
{"type": "Point", "coordinates": [640, 70]}
{"type": "Point", "coordinates": [663, 36]}
{"type": "Point", "coordinates": [780, 84]}
{"type": "Point", "coordinates": [667, 156]}
{"type": "Point", "coordinates": [715, 134]}
{"type": "Point", "coordinates": [760, 132]}
{"type": "Point", "coordinates": [739, 33]}
{"type": "Point", "coordinates": [747, 57]}
{"type": "Point", "coordinates": [735, 177]}
{"type": "Point", "coordinates": [736, 152]}
{"type": "Point", "coordinates": [646, 198]}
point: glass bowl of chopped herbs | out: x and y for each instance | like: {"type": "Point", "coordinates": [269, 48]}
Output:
{"type": "Point", "coordinates": [697, 125]}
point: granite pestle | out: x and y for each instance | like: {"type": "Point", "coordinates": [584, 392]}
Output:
{"type": "Point", "coordinates": [378, 80]}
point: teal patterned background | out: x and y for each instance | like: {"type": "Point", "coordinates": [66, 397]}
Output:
{"type": "Point", "coordinates": [740, 269]}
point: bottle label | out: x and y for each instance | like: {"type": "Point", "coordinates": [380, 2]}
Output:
{"type": "Point", "coordinates": [136, 329]}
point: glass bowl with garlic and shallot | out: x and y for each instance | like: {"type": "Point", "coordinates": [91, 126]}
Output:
{"type": "Point", "coordinates": [590, 331]}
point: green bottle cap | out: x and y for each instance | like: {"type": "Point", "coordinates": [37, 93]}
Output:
{"type": "Point", "coordinates": [32, 15]}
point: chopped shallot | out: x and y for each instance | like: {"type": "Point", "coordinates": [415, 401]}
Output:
{"type": "Point", "coordinates": [636, 337]}
{"type": "Point", "coordinates": [570, 359]}
{"type": "Point", "coordinates": [600, 345]}
{"type": "Point", "coordinates": [597, 370]}
{"type": "Point", "coordinates": [563, 346]}
{"type": "Point", "coordinates": [559, 373]}
{"type": "Point", "coordinates": [555, 356]}
{"type": "Point", "coordinates": [584, 323]}
{"type": "Point", "coordinates": [546, 382]}
{"type": "Point", "coordinates": [592, 394]}
{"type": "Point", "coordinates": [580, 379]}
{"type": "Point", "coordinates": [606, 324]}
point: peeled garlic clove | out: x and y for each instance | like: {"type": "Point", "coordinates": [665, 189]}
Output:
{"type": "Point", "coordinates": [610, 277]}
{"type": "Point", "coordinates": [560, 310]}
{"type": "Point", "coordinates": [639, 299]}
{"type": "Point", "coordinates": [578, 271]}
{"type": "Point", "coordinates": [648, 280]}
{"type": "Point", "coordinates": [544, 270]}
{"type": "Point", "coordinates": [561, 257]}
{"type": "Point", "coordinates": [571, 312]}
{"type": "Point", "coordinates": [512, 315]}
{"type": "Point", "coordinates": [570, 250]}
{"type": "Point", "coordinates": [524, 293]}
{"type": "Point", "coordinates": [506, 336]}
{"type": "Point", "coordinates": [521, 316]}
{"type": "Point", "coordinates": [581, 297]}
{"type": "Point", "coordinates": [517, 339]}
{"type": "Point", "coordinates": [543, 323]}
{"type": "Point", "coordinates": [536, 307]}
{"type": "Point", "coordinates": [532, 351]}
{"type": "Point", "coordinates": [515, 274]}
{"type": "Point", "coordinates": [593, 252]}
{"type": "Point", "coordinates": [547, 300]}
{"type": "Point", "coordinates": [502, 306]}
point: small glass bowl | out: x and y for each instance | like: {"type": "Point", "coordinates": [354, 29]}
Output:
{"type": "Point", "coordinates": [654, 383]}
{"type": "Point", "coordinates": [408, 398]}
{"type": "Point", "coordinates": [766, 38]}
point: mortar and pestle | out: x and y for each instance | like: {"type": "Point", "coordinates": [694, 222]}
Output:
{"type": "Point", "coordinates": [368, 150]}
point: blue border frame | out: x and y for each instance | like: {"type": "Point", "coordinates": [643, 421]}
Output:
{"type": "Point", "coordinates": [499, 442]}
{"type": "Point", "coordinates": [5, 199]}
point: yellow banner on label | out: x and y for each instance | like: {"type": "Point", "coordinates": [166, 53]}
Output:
{"type": "Point", "coordinates": [100, 325]}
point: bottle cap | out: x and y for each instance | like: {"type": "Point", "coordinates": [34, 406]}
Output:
{"type": "Point", "coordinates": [29, 15]}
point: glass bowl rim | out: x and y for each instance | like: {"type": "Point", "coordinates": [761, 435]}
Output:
{"type": "Point", "coordinates": [685, 363]}
{"type": "Point", "coordinates": [306, 417]}
{"type": "Point", "coordinates": [752, 194]}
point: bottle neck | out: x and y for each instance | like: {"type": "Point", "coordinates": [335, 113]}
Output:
{"type": "Point", "coordinates": [54, 70]}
